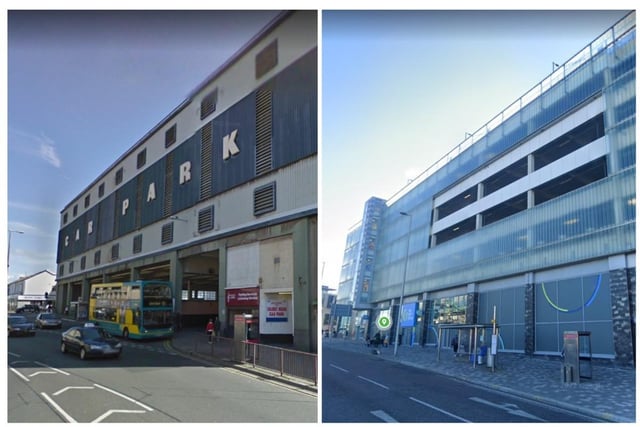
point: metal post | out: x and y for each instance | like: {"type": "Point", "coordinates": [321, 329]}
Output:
{"type": "Point", "coordinates": [9, 245]}
{"type": "Point", "coordinates": [281, 362]}
{"type": "Point", "coordinates": [404, 279]}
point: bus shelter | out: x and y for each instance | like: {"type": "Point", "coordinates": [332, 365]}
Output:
{"type": "Point", "coordinates": [468, 336]}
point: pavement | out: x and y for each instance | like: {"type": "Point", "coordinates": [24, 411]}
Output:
{"type": "Point", "coordinates": [193, 342]}
{"type": "Point", "coordinates": [610, 394]}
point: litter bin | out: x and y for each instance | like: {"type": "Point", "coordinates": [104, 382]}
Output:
{"type": "Point", "coordinates": [483, 355]}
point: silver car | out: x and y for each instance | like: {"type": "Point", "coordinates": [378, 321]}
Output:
{"type": "Point", "coordinates": [19, 325]}
{"type": "Point", "coordinates": [48, 320]}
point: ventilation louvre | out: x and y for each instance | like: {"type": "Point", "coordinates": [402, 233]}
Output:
{"type": "Point", "coordinates": [263, 132]}
{"type": "Point", "coordinates": [167, 234]}
{"type": "Point", "coordinates": [264, 199]}
{"type": "Point", "coordinates": [205, 219]}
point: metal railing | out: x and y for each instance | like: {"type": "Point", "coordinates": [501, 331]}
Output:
{"type": "Point", "coordinates": [283, 360]}
{"type": "Point", "coordinates": [286, 361]}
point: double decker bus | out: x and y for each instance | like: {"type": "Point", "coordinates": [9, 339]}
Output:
{"type": "Point", "coordinates": [137, 310]}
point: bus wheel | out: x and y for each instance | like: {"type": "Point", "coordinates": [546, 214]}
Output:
{"type": "Point", "coordinates": [125, 333]}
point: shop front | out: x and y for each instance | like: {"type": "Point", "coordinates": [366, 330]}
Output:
{"type": "Point", "coordinates": [243, 301]}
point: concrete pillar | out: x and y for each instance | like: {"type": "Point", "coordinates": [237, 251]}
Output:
{"type": "Point", "coordinates": [175, 277]}
{"type": "Point", "coordinates": [86, 290]}
{"type": "Point", "coordinates": [222, 285]}
{"type": "Point", "coordinates": [303, 287]}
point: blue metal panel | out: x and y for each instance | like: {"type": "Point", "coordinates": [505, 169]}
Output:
{"type": "Point", "coordinates": [91, 216]}
{"type": "Point", "coordinates": [295, 111]}
{"type": "Point", "coordinates": [69, 245]}
{"type": "Point", "coordinates": [238, 121]}
{"type": "Point", "coordinates": [186, 165]}
{"type": "Point", "coordinates": [152, 186]}
{"type": "Point", "coordinates": [106, 219]}
{"type": "Point", "coordinates": [126, 216]}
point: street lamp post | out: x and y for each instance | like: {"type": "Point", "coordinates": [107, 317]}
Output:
{"type": "Point", "coordinates": [9, 246]}
{"type": "Point", "coordinates": [404, 279]}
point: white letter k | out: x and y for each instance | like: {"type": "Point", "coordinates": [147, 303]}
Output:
{"type": "Point", "coordinates": [229, 147]}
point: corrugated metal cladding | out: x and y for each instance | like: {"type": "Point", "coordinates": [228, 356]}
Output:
{"type": "Point", "coordinates": [153, 192]}
{"type": "Point", "coordinates": [294, 125]}
{"type": "Point", "coordinates": [126, 206]}
{"type": "Point", "coordinates": [295, 111]}
{"type": "Point", "coordinates": [186, 174]}
{"type": "Point", "coordinates": [237, 127]}
{"type": "Point", "coordinates": [146, 199]}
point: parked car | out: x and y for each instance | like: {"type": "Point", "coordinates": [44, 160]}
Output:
{"type": "Point", "coordinates": [90, 342]}
{"type": "Point", "coordinates": [19, 325]}
{"type": "Point", "coordinates": [48, 320]}
{"type": "Point", "coordinates": [28, 308]}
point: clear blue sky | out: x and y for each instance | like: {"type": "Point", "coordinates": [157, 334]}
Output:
{"type": "Point", "coordinates": [86, 86]}
{"type": "Point", "coordinates": [401, 88]}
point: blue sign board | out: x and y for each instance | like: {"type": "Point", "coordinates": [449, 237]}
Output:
{"type": "Point", "coordinates": [341, 310]}
{"type": "Point", "coordinates": [408, 316]}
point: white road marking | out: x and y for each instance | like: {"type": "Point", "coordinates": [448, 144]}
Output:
{"type": "Point", "coordinates": [439, 410]}
{"type": "Point", "coordinates": [338, 368]}
{"type": "Point", "coordinates": [510, 408]}
{"type": "Point", "coordinates": [62, 390]}
{"type": "Point", "coordinates": [114, 411]}
{"type": "Point", "coordinates": [373, 382]}
{"type": "Point", "coordinates": [15, 371]}
{"type": "Point", "coordinates": [384, 416]}
{"type": "Point", "coordinates": [41, 372]}
{"type": "Point", "coordinates": [125, 397]}
{"type": "Point", "coordinates": [59, 409]}
{"type": "Point", "coordinates": [52, 368]}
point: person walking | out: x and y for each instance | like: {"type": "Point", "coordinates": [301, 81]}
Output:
{"type": "Point", "coordinates": [210, 330]}
{"type": "Point", "coordinates": [454, 344]}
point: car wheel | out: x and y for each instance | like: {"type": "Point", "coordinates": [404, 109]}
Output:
{"type": "Point", "coordinates": [63, 348]}
{"type": "Point", "coordinates": [125, 333]}
{"type": "Point", "coordinates": [83, 353]}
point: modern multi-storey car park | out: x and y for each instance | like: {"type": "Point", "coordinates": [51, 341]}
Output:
{"type": "Point", "coordinates": [219, 198]}
{"type": "Point", "coordinates": [534, 214]}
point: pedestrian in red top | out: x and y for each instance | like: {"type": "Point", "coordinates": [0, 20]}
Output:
{"type": "Point", "coordinates": [210, 329]}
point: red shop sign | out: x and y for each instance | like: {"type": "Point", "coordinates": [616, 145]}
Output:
{"type": "Point", "coordinates": [243, 297]}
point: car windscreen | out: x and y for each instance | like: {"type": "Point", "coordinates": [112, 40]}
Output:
{"type": "Point", "coordinates": [94, 333]}
{"type": "Point", "coordinates": [17, 319]}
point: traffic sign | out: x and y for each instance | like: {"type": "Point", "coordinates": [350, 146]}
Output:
{"type": "Point", "coordinates": [384, 322]}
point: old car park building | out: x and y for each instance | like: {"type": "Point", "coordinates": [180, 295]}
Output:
{"type": "Point", "coordinates": [533, 214]}
{"type": "Point", "coordinates": [219, 198]}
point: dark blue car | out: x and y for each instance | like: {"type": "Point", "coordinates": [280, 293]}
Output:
{"type": "Point", "coordinates": [90, 341]}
